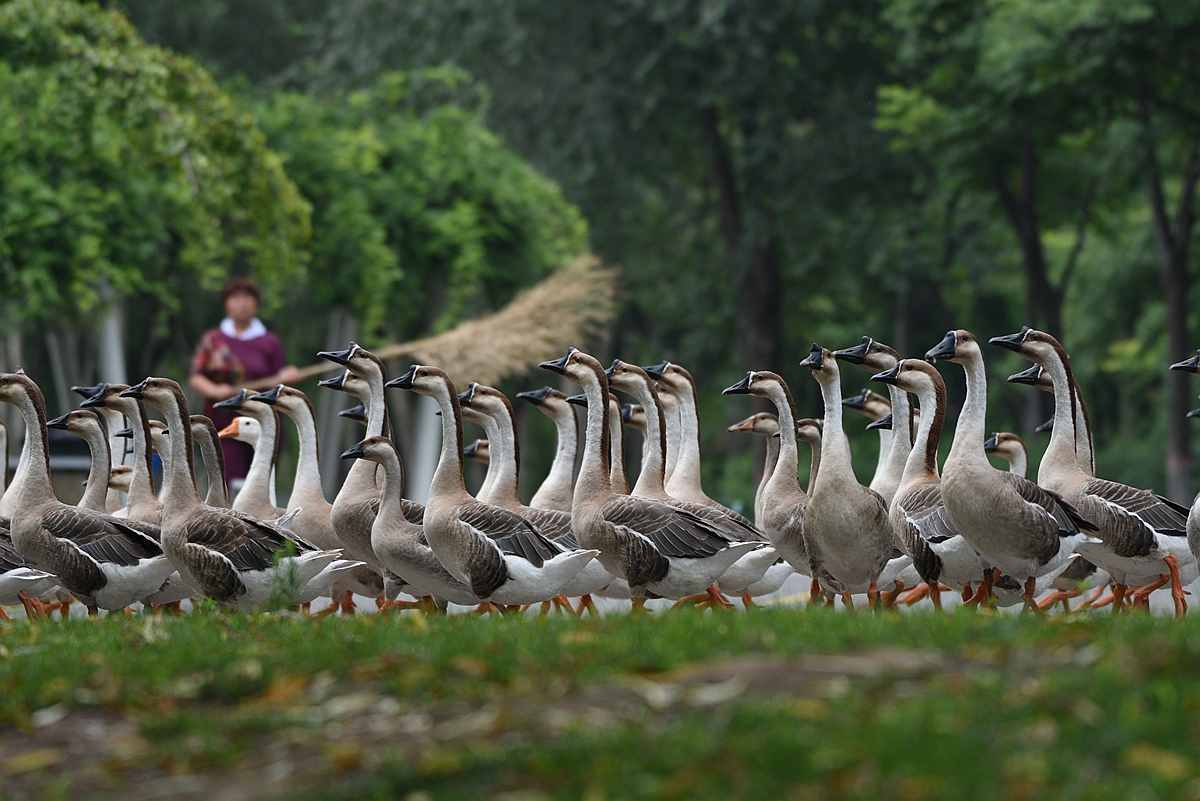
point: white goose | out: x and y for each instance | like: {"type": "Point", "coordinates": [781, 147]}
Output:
{"type": "Point", "coordinates": [494, 551]}
{"type": "Point", "coordinates": [257, 495]}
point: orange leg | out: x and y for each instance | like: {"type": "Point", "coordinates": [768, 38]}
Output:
{"type": "Point", "coordinates": [3, 614]}
{"type": "Point", "coordinates": [748, 601]}
{"type": "Point", "coordinates": [967, 594]}
{"type": "Point", "coordinates": [847, 601]}
{"type": "Point", "coordinates": [638, 607]}
{"type": "Point", "coordinates": [1091, 599]}
{"type": "Point", "coordinates": [1056, 596]}
{"type": "Point", "coordinates": [889, 597]}
{"type": "Point", "coordinates": [1177, 591]}
{"type": "Point", "coordinates": [1141, 596]}
{"type": "Point", "coordinates": [33, 609]}
{"type": "Point", "coordinates": [698, 601]}
{"type": "Point", "coordinates": [1119, 591]}
{"type": "Point", "coordinates": [562, 603]}
{"type": "Point", "coordinates": [1105, 601]}
{"type": "Point", "coordinates": [872, 596]}
{"type": "Point", "coordinates": [935, 595]}
{"type": "Point", "coordinates": [718, 600]}
{"type": "Point", "coordinates": [347, 603]}
{"type": "Point", "coordinates": [814, 591]}
{"type": "Point", "coordinates": [1031, 604]}
{"type": "Point", "coordinates": [917, 593]}
{"type": "Point", "coordinates": [586, 602]}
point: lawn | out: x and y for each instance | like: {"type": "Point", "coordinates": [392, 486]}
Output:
{"type": "Point", "coordinates": [777, 703]}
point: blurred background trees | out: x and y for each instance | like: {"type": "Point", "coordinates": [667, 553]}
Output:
{"type": "Point", "coordinates": [767, 174]}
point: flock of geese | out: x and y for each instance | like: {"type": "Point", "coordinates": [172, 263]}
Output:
{"type": "Point", "coordinates": [994, 536]}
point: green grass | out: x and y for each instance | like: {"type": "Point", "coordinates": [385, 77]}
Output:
{"type": "Point", "coordinates": [779, 703]}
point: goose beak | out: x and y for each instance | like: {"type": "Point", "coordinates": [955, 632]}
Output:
{"type": "Point", "coordinates": [740, 388]}
{"type": "Point", "coordinates": [558, 365]}
{"type": "Point", "coordinates": [341, 357]}
{"type": "Point", "coordinates": [97, 400]}
{"type": "Point", "coordinates": [944, 349]}
{"type": "Point", "coordinates": [857, 402]}
{"type": "Point", "coordinates": [230, 431]}
{"type": "Point", "coordinates": [992, 443]}
{"type": "Point", "coordinates": [472, 449]}
{"type": "Point", "coordinates": [816, 358]}
{"type": "Point", "coordinates": [627, 412]}
{"type": "Point", "coordinates": [1191, 365]}
{"type": "Point", "coordinates": [1194, 413]}
{"type": "Point", "coordinates": [1012, 342]}
{"type": "Point", "coordinates": [657, 371]}
{"type": "Point", "coordinates": [355, 451]}
{"type": "Point", "coordinates": [125, 433]}
{"type": "Point", "coordinates": [1049, 426]}
{"type": "Point", "coordinates": [358, 413]}
{"type": "Point", "coordinates": [746, 425]}
{"type": "Point", "coordinates": [612, 370]}
{"type": "Point", "coordinates": [236, 402]}
{"type": "Point", "coordinates": [578, 400]}
{"type": "Point", "coordinates": [137, 391]}
{"type": "Point", "coordinates": [536, 396]}
{"type": "Point", "coordinates": [405, 381]}
{"type": "Point", "coordinates": [88, 392]}
{"type": "Point", "coordinates": [777, 435]}
{"type": "Point", "coordinates": [337, 382]}
{"type": "Point", "coordinates": [1029, 375]}
{"type": "Point", "coordinates": [464, 398]}
{"type": "Point", "coordinates": [891, 376]}
{"type": "Point", "coordinates": [59, 422]}
{"type": "Point", "coordinates": [856, 354]}
{"type": "Point", "coordinates": [271, 396]}
{"type": "Point", "coordinates": [882, 422]}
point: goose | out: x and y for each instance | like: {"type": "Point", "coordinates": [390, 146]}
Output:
{"type": "Point", "coordinates": [99, 559]}
{"type": "Point", "coordinates": [616, 458]}
{"type": "Point", "coordinates": [846, 525]}
{"type": "Point", "coordinates": [634, 416]}
{"type": "Point", "coordinates": [141, 504]}
{"type": "Point", "coordinates": [1011, 448]}
{"type": "Point", "coordinates": [670, 407]}
{"type": "Point", "coordinates": [20, 581]}
{"type": "Point", "coordinates": [1038, 378]}
{"type": "Point", "coordinates": [479, 451]}
{"type": "Point", "coordinates": [1016, 526]}
{"type": "Point", "coordinates": [917, 511]}
{"type": "Point", "coordinates": [876, 408]}
{"type": "Point", "coordinates": [114, 421]}
{"type": "Point", "coordinates": [227, 555]}
{"type": "Point", "coordinates": [764, 424]}
{"type": "Point", "coordinates": [783, 501]}
{"type": "Point", "coordinates": [86, 424]}
{"type": "Point", "coordinates": [655, 547]}
{"type": "Point", "coordinates": [400, 544]}
{"type": "Point", "coordinates": [204, 432]}
{"type": "Point", "coordinates": [120, 477]}
{"type": "Point", "coordinates": [501, 424]}
{"type": "Point", "coordinates": [495, 551]}
{"type": "Point", "coordinates": [257, 495]}
{"type": "Point", "coordinates": [555, 491]}
{"type": "Point", "coordinates": [748, 570]}
{"type": "Point", "coordinates": [876, 357]}
{"type": "Point", "coordinates": [684, 482]}
{"type": "Point", "coordinates": [1139, 532]}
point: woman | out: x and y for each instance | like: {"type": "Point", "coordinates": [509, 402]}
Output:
{"type": "Point", "coordinates": [236, 352]}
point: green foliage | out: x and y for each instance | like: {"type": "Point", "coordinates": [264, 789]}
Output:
{"type": "Point", "coordinates": [122, 161]}
{"type": "Point", "coordinates": [413, 198]}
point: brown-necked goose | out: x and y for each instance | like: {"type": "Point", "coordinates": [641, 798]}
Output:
{"type": "Point", "coordinates": [1140, 533]}
{"type": "Point", "coordinates": [141, 503]}
{"type": "Point", "coordinates": [98, 558]}
{"type": "Point", "coordinates": [1011, 448]}
{"type": "Point", "coordinates": [1038, 378]}
{"type": "Point", "coordinates": [399, 543]}
{"type": "Point", "coordinates": [204, 432]}
{"type": "Point", "coordinates": [846, 525]}
{"type": "Point", "coordinates": [876, 357]}
{"type": "Point", "coordinates": [479, 451]}
{"type": "Point", "coordinates": [1016, 526]}
{"type": "Point", "coordinates": [655, 547]}
{"type": "Point", "coordinates": [495, 551]}
{"type": "Point", "coordinates": [227, 555]}
{"type": "Point", "coordinates": [555, 491]}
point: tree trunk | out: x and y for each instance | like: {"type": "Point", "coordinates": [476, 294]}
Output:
{"type": "Point", "coordinates": [1172, 244]}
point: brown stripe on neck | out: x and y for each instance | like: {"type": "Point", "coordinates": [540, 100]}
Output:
{"type": "Point", "coordinates": [939, 420]}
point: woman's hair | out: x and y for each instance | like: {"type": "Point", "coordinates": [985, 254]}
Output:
{"type": "Point", "coordinates": [237, 285]}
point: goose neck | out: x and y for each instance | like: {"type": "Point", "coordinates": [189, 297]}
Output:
{"type": "Point", "coordinates": [670, 407]}
{"type": "Point", "coordinates": [503, 464]}
{"type": "Point", "coordinates": [616, 450]}
{"type": "Point", "coordinates": [685, 478]}
{"type": "Point", "coordinates": [650, 479]}
{"type": "Point", "coordinates": [562, 469]}
{"type": "Point", "coordinates": [594, 479]}
{"type": "Point", "coordinates": [835, 448]}
{"type": "Point", "coordinates": [922, 460]}
{"type": "Point", "coordinates": [902, 433]}
{"type": "Point", "coordinates": [785, 476]}
{"type": "Point", "coordinates": [36, 489]}
{"type": "Point", "coordinates": [307, 483]}
{"type": "Point", "coordinates": [182, 492]}
{"type": "Point", "coordinates": [94, 496]}
{"type": "Point", "coordinates": [1060, 456]}
{"type": "Point", "coordinates": [447, 484]}
{"type": "Point", "coordinates": [969, 431]}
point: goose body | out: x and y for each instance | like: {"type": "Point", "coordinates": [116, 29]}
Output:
{"type": "Point", "coordinates": [653, 546]}
{"type": "Point", "coordinates": [1015, 525]}
{"type": "Point", "coordinates": [17, 574]}
{"type": "Point", "coordinates": [496, 552]}
{"type": "Point", "coordinates": [1140, 535]}
{"type": "Point", "coordinates": [224, 554]}
{"type": "Point", "coordinates": [99, 559]}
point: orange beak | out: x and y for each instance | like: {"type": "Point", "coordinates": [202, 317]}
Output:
{"type": "Point", "coordinates": [230, 431]}
{"type": "Point", "coordinates": [746, 425]}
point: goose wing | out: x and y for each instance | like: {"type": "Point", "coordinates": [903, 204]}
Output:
{"type": "Point", "coordinates": [672, 531]}
{"type": "Point", "coordinates": [1164, 516]}
{"type": "Point", "coordinates": [551, 522]}
{"type": "Point", "coordinates": [485, 556]}
{"type": "Point", "coordinates": [511, 532]}
{"type": "Point", "coordinates": [734, 525]}
{"type": "Point", "coordinates": [103, 538]}
{"type": "Point", "coordinates": [925, 512]}
{"type": "Point", "coordinates": [248, 543]}
{"type": "Point", "coordinates": [1045, 516]}
{"type": "Point", "coordinates": [413, 511]}
{"type": "Point", "coordinates": [10, 559]}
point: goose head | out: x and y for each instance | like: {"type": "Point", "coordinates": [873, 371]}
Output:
{"type": "Point", "coordinates": [1035, 376]}
{"type": "Point", "coordinates": [15, 387]}
{"type": "Point", "coordinates": [823, 364]}
{"type": "Point", "coordinates": [959, 346]}
{"type": "Point", "coordinates": [287, 399]}
{"type": "Point", "coordinates": [1191, 365]}
{"type": "Point", "coordinates": [236, 402]}
{"type": "Point", "coordinates": [160, 441]}
{"type": "Point", "coordinates": [629, 378]}
{"type": "Point", "coordinates": [373, 449]}
{"type": "Point", "coordinates": [478, 450]}
{"type": "Point", "coordinates": [756, 382]}
{"type": "Point", "coordinates": [872, 356]}
{"type": "Point", "coordinates": [106, 396]}
{"type": "Point", "coordinates": [242, 429]}
{"type": "Point", "coordinates": [764, 424]}
{"type": "Point", "coordinates": [1048, 426]}
{"type": "Point", "coordinates": [120, 478]}
{"type": "Point", "coordinates": [634, 416]}
{"type": "Point", "coordinates": [671, 377]}
{"type": "Point", "coordinates": [809, 430]}
{"type": "Point", "coordinates": [337, 382]}
{"type": "Point", "coordinates": [425, 380]}
{"type": "Point", "coordinates": [1004, 444]}
{"type": "Point", "coordinates": [884, 422]}
{"type": "Point", "coordinates": [912, 375]}
{"type": "Point", "coordinates": [357, 413]}
{"type": "Point", "coordinates": [81, 423]}
{"type": "Point", "coordinates": [356, 359]}
{"type": "Point", "coordinates": [161, 393]}
{"type": "Point", "coordinates": [873, 405]}
{"type": "Point", "coordinates": [580, 368]}
{"type": "Point", "coordinates": [1037, 346]}
{"type": "Point", "coordinates": [471, 411]}
{"type": "Point", "coordinates": [88, 391]}
{"type": "Point", "coordinates": [539, 397]}
{"type": "Point", "coordinates": [578, 400]}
